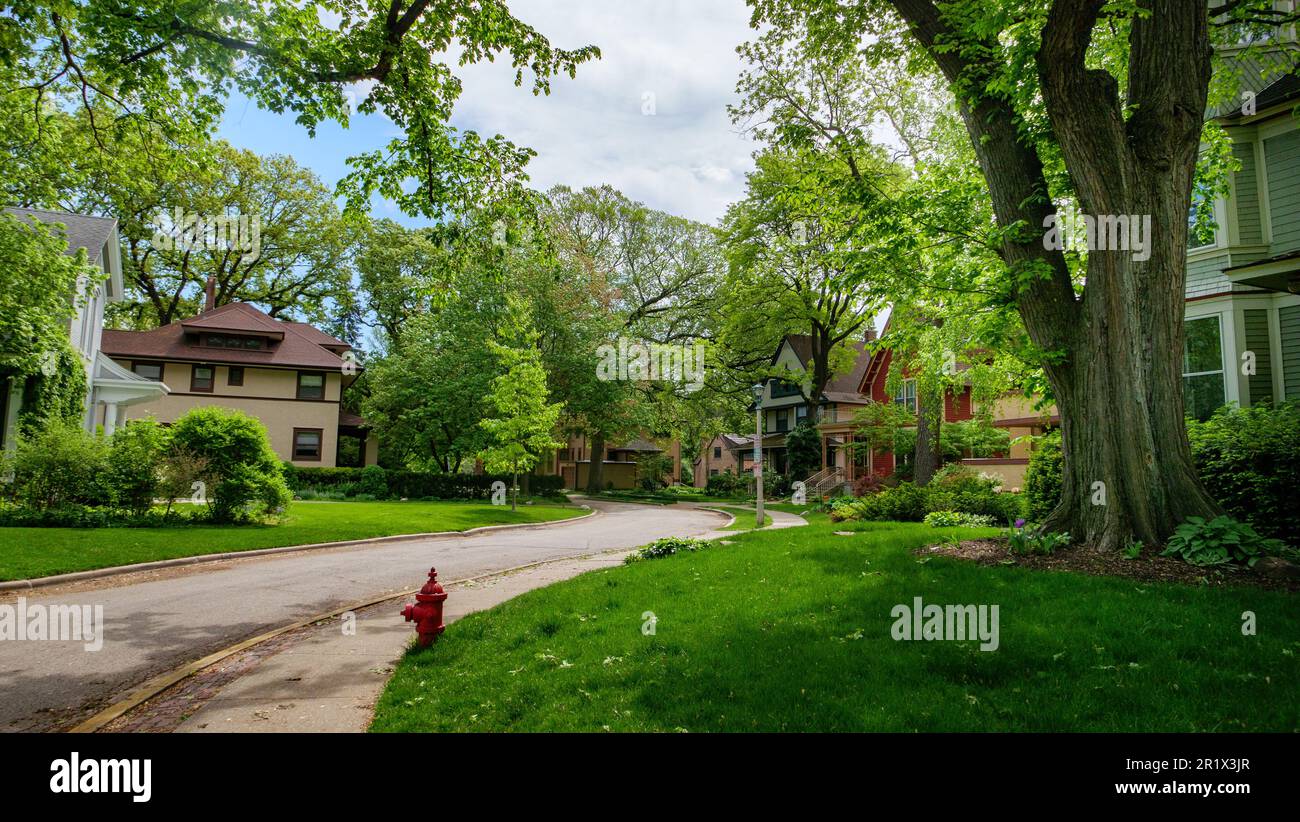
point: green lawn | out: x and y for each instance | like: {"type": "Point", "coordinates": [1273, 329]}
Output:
{"type": "Point", "coordinates": [791, 630]}
{"type": "Point", "coordinates": [35, 552]}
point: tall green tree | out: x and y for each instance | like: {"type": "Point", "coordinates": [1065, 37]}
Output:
{"type": "Point", "coordinates": [795, 267]}
{"type": "Point", "coordinates": [1100, 103]}
{"type": "Point", "coordinates": [522, 422]}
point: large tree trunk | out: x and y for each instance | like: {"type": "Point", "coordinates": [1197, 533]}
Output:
{"type": "Point", "coordinates": [1128, 469]}
{"type": "Point", "coordinates": [924, 455]}
{"type": "Point", "coordinates": [596, 467]}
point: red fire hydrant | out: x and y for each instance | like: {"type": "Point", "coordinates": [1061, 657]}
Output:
{"type": "Point", "coordinates": [426, 613]}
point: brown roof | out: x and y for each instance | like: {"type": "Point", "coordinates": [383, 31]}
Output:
{"type": "Point", "coordinates": [347, 418]}
{"type": "Point", "coordinates": [842, 387]}
{"type": "Point", "coordinates": [292, 345]}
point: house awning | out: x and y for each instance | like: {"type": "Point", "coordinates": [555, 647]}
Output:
{"type": "Point", "coordinates": [1280, 273]}
{"type": "Point", "coordinates": [114, 384]}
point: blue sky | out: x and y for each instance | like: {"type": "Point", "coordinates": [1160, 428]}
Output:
{"type": "Point", "coordinates": [687, 158]}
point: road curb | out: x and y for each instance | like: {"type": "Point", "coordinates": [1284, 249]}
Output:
{"type": "Point", "coordinates": [117, 570]}
{"type": "Point", "coordinates": [158, 684]}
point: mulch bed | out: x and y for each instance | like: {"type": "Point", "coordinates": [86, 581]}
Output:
{"type": "Point", "coordinates": [1149, 567]}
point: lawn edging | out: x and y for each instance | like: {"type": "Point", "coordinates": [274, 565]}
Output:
{"type": "Point", "coordinates": [116, 570]}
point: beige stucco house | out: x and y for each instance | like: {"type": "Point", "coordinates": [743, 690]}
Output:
{"type": "Point", "coordinates": [289, 375]}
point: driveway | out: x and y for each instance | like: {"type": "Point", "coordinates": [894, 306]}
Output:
{"type": "Point", "coordinates": [157, 624]}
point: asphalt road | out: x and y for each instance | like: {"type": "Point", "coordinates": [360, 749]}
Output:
{"type": "Point", "coordinates": [156, 624]}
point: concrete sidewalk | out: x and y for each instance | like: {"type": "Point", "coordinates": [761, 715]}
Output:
{"type": "Point", "coordinates": [328, 681]}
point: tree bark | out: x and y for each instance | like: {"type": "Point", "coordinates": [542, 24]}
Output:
{"type": "Point", "coordinates": [923, 454]}
{"type": "Point", "coordinates": [596, 469]}
{"type": "Point", "coordinates": [1128, 470]}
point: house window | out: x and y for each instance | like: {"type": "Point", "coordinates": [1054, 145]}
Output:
{"type": "Point", "coordinates": [784, 388]}
{"type": "Point", "coordinates": [235, 376]}
{"type": "Point", "coordinates": [306, 444]}
{"type": "Point", "coordinates": [717, 452]}
{"type": "Point", "coordinates": [201, 378]}
{"type": "Point", "coordinates": [800, 413]}
{"type": "Point", "coordinates": [1202, 367]}
{"type": "Point", "coordinates": [311, 385]}
{"type": "Point", "coordinates": [148, 370]}
{"type": "Point", "coordinates": [713, 472]}
{"type": "Point", "coordinates": [782, 419]}
{"type": "Point", "coordinates": [227, 341]}
{"type": "Point", "coordinates": [906, 395]}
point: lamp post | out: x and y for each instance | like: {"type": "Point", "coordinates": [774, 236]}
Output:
{"type": "Point", "coordinates": [758, 450]}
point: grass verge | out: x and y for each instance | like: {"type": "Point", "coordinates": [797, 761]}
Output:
{"type": "Point", "coordinates": [790, 630]}
{"type": "Point", "coordinates": [27, 553]}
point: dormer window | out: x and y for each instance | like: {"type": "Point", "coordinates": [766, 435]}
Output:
{"type": "Point", "coordinates": [234, 341]}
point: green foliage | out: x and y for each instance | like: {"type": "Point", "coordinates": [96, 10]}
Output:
{"type": "Point", "coordinates": [524, 422]}
{"type": "Point", "coordinates": [175, 65]}
{"type": "Point", "coordinates": [803, 448]}
{"type": "Point", "coordinates": [132, 473]}
{"type": "Point", "coordinates": [58, 466]}
{"type": "Point", "coordinates": [374, 482]}
{"type": "Point", "coordinates": [1043, 476]}
{"type": "Point", "coordinates": [345, 483]}
{"type": "Point", "coordinates": [666, 547]}
{"type": "Point", "coordinates": [954, 519]}
{"type": "Point", "coordinates": [57, 391]}
{"type": "Point", "coordinates": [1025, 541]}
{"type": "Point", "coordinates": [652, 470]}
{"type": "Point", "coordinates": [38, 285]}
{"type": "Point", "coordinates": [1249, 460]}
{"type": "Point", "coordinates": [967, 496]}
{"type": "Point", "coordinates": [245, 472]}
{"type": "Point", "coordinates": [727, 484]}
{"type": "Point", "coordinates": [1219, 541]}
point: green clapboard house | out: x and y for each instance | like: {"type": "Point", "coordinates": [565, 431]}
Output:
{"type": "Point", "coordinates": [1243, 267]}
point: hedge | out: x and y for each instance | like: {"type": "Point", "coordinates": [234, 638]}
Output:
{"type": "Point", "coordinates": [413, 484]}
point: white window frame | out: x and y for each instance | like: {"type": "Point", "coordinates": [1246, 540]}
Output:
{"type": "Point", "coordinates": [1222, 370]}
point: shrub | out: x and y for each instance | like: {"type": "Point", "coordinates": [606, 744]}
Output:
{"type": "Point", "coordinates": [84, 516]}
{"type": "Point", "coordinates": [803, 449]}
{"type": "Point", "coordinates": [1024, 541]}
{"type": "Point", "coordinates": [904, 502]}
{"type": "Point", "coordinates": [868, 484]}
{"type": "Point", "coordinates": [683, 491]}
{"type": "Point", "coordinates": [1043, 477]}
{"type": "Point", "coordinates": [132, 474]}
{"type": "Point", "coordinates": [1249, 460]}
{"type": "Point", "coordinates": [727, 484]}
{"type": "Point", "coordinates": [59, 465]}
{"type": "Point", "coordinates": [666, 547]}
{"type": "Point", "coordinates": [1219, 541]}
{"type": "Point", "coordinates": [373, 482]}
{"type": "Point", "coordinates": [245, 473]}
{"type": "Point", "coordinates": [953, 519]}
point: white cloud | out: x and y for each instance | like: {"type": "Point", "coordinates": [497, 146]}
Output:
{"type": "Point", "coordinates": [686, 158]}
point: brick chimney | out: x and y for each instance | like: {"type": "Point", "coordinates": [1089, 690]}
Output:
{"type": "Point", "coordinates": [210, 294]}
